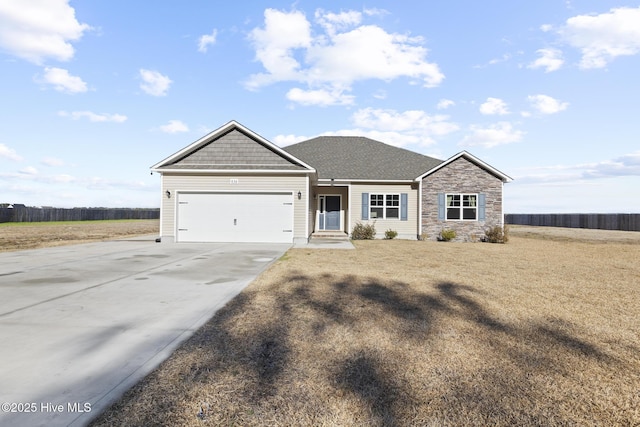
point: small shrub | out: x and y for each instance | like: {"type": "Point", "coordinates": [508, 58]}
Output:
{"type": "Point", "coordinates": [497, 234]}
{"type": "Point", "coordinates": [423, 236]}
{"type": "Point", "coordinates": [363, 231]}
{"type": "Point", "coordinates": [447, 235]}
{"type": "Point", "coordinates": [390, 234]}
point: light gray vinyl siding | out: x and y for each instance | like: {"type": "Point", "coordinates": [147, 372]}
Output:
{"type": "Point", "coordinates": [241, 183]}
{"type": "Point", "coordinates": [406, 229]}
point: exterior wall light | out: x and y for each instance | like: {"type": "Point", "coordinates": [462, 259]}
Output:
{"type": "Point", "coordinates": [168, 194]}
{"type": "Point", "coordinates": [299, 195]}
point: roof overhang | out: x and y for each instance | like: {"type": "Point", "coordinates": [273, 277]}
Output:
{"type": "Point", "coordinates": [374, 181]}
{"type": "Point", "coordinates": [235, 171]}
{"type": "Point", "coordinates": [216, 134]}
{"type": "Point", "coordinates": [473, 159]}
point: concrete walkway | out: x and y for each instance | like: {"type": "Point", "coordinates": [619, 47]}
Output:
{"type": "Point", "coordinates": [326, 244]}
{"type": "Point", "coordinates": [81, 324]}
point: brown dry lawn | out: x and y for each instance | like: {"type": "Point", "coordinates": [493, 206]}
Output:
{"type": "Point", "coordinates": [33, 235]}
{"type": "Point", "coordinates": [541, 331]}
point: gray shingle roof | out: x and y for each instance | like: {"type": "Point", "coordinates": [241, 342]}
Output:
{"type": "Point", "coordinates": [356, 157]}
{"type": "Point", "coordinates": [232, 150]}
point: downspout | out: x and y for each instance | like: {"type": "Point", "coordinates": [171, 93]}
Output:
{"type": "Point", "coordinates": [161, 203]}
{"type": "Point", "coordinates": [307, 209]}
{"type": "Point", "coordinates": [502, 206]}
{"type": "Point", "coordinates": [419, 209]}
{"type": "Point", "coordinates": [350, 212]}
{"type": "Point", "coordinates": [174, 205]}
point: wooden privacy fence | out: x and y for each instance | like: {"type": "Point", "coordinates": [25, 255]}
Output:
{"type": "Point", "coordinates": [20, 213]}
{"type": "Point", "coordinates": [624, 222]}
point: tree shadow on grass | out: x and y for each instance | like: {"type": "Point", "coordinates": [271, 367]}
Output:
{"type": "Point", "coordinates": [360, 374]}
{"type": "Point", "coordinates": [251, 343]}
{"type": "Point", "coordinates": [472, 309]}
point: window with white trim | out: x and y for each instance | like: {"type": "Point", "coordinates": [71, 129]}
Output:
{"type": "Point", "coordinates": [462, 207]}
{"type": "Point", "coordinates": [384, 206]}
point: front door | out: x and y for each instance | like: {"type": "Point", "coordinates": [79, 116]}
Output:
{"type": "Point", "coordinates": [328, 212]}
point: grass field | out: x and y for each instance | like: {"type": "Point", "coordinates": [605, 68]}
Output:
{"type": "Point", "coordinates": [541, 331]}
{"type": "Point", "coordinates": [32, 235]}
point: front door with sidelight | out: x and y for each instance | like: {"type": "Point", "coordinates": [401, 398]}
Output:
{"type": "Point", "coordinates": [329, 213]}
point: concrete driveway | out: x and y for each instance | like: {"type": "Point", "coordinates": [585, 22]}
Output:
{"type": "Point", "coordinates": [79, 325]}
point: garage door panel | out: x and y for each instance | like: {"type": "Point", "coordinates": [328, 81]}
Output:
{"type": "Point", "coordinates": [194, 211]}
{"type": "Point", "coordinates": [235, 217]}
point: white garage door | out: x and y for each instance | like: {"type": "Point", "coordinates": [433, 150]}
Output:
{"type": "Point", "coordinates": [235, 217]}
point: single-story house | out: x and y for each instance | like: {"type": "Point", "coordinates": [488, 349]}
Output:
{"type": "Point", "coordinates": [233, 185]}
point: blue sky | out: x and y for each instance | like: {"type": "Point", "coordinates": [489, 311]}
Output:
{"type": "Point", "coordinates": [94, 93]}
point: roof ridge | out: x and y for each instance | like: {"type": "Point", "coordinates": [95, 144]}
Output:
{"type": "Point", "coordinates": [361, 157]}
{"type": "Point", "coordinates": [343, 137]}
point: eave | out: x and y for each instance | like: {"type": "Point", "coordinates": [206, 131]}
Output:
{"type": "Point", "coordinates": [233, 171]}
{"type": "Point", "coordinates": [348, 181]}
{"type": "Point", "coordinates": [473, 159]}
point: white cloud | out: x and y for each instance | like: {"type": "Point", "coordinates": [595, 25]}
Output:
{"type": "Point", "coordinates": [93, 117]}
{"type": "Point", "coordinates": [443, 104]}
{"type": "Point", "coordinates": [550, 59]}
{"type": "Point", "coordinates": [625, 165]}
{"type": "Point", "coordinates": [406, 121]}
{"type": "Point", "coordinates": [62, 81]}
{"type": "Point", "coordinates": [504, 58]}
{"type": "Point", "coordinates": [206, 40]}
{"type": "Point", "coordinates": [375, 11]}
{"type": "Point", "coordinates": [9, 153]}
{"type": "Point", "coordinates": [339, 52]}
{"type": "Point", "coordinates": [398, 128]}
{"type": "Point", "coordinates": [333, 22]}
{"type": "Point", "coordinates": [320, 97]}
{"type": "Point", "coordinates": [32, 174]}
{"type": "Point", "coordinates": [38, 29]}
{"type": "Point", "coordinates": [154, 83]}
{"type": "Point", "coordinates": [203, 129]}
{"type": "Point", "coordinates": [174, 126]}
{"type": "Point", "coordinates": [397, 139]}
{"type": "Point", "coordinates": [494, 106]}
{"type": "Point", "coordinates": [284, 140]}
{"type": "Point", "coordinates": [62, 190]}
{"type": "Point", "coordinates": [52, 161]}
{"type": "Point", "coordinates": [380, 94]}
{"type": "Point", "coordinates": [497, 134]}
{"type": "Point", "coordinates": [62, 178]}
{"type": "Point", "coordinates": [369, 52]}
{"type": "Point", "coordinates": [29, 170]}
{"type": "Point", "coordinates": [601, 38]}
{"type": "Point", "coordinates": [274, 46]}
{"type": "Point", "coordinates": [547, 105]}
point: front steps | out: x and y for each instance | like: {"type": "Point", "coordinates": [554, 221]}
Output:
{"type": "Point", "coordinates": [329, 235]}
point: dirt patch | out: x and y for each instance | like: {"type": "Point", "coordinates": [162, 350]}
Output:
{"type": "Point", "coordinates": [534, 332]}
{"type": "Point", "coordinates": [18, 236]}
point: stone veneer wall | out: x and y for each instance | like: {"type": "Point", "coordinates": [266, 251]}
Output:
{"type": "Point", "coordinates": [461, 176]}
